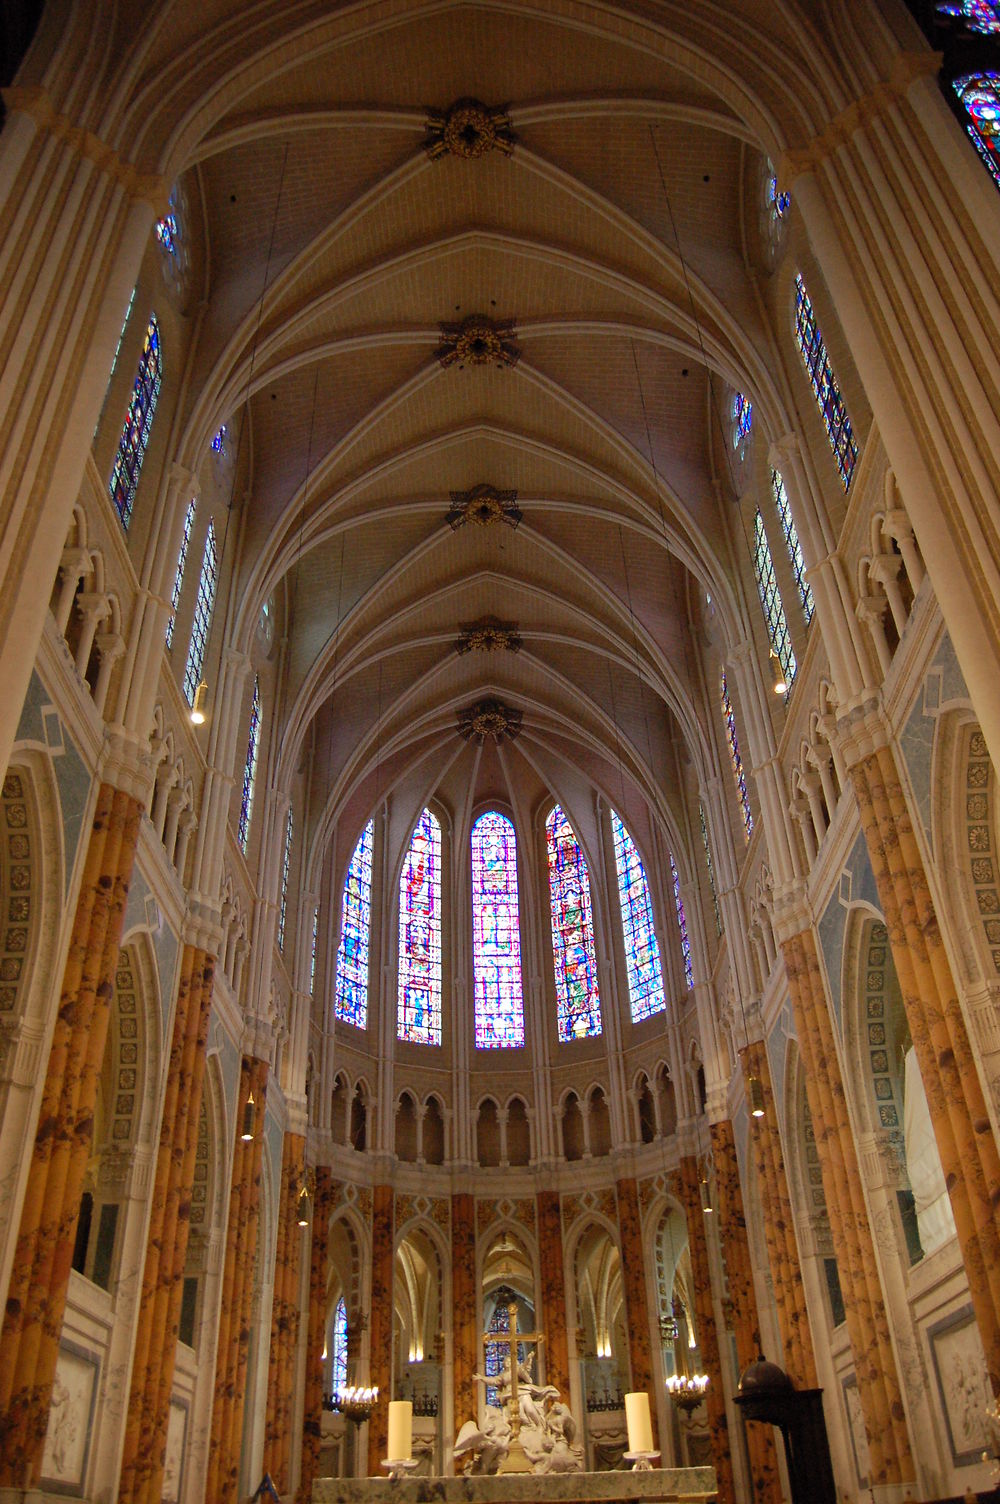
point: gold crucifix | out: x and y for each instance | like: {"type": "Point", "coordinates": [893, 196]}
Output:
{"type": "Point", "coordinates": [511, 1337]}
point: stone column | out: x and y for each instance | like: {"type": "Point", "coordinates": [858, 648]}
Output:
{"type": "Point", "coordinates": [236, 1298]}
{"type": "Point", "coordinates": [285, 1317]}
{"type": "Point", "coordinates": [380, 1327]}
{"type": "Point", "coordinates": [36, 1299]}
{"type": "Point", "coordinates": [155, 1348]}
{"type": "Point", "coordinates": [553, 1277]}
{"type": "Point", "coordinates": [634, 1287]}
{"type": "Point", "coordinates": [708, 1339]}
{"type": "Point", "coordinates": [867, 1323]}
{"type": "Point", "coordinates": [465, 1320]}
{"type": "Point", "coordinates": [313, 1400]}
{"type": "Point", "coordinates": [958, 1109]}
{"type": "Point", "coordinates": [779, 1228]}
{"type": "Point", "coordinates": [765, 1480]}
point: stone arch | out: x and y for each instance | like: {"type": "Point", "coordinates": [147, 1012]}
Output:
{"type": "Point", "coordinates": [406, 1128]}
{"type": "Point", "coordinates": [645, 1108]}
{"type": "Point", "coordinates": [572, 1125]}
{"type": "Point", "coordinates": [421, 1296]}
{"type": "Point", "coordinates": [517, 1131]}
{"type": "Point", "coordinates": [340, 1098]}
{"type": "Point", "coordinates": [671, 1261]}
{"type": "Point", "coordinates": [433, 1132]}
{"type": "Point", "coordinates": [488, 1146]}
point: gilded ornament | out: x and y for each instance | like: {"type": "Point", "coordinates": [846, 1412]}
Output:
{"type": "Point", "coordinates": [483, 505]}
{"type": "Point", "coordinates": [489, 718]}
{"type": "Point", "coordinates": [488, 635]}
{"type": "Point", "coordinates": [478, 341]}
{"type": "Point", "coordinates": [469, 129]}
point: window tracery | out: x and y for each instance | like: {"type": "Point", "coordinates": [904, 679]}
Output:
{"type": "Point", "coordinates": [203, 607]}
{"type": "Point", "coordinates": [286, 862]}
{"type": "Point", "coordinates": [979, 96]}
{"type": "Point", "coordinates": [770, 600]}
{"type": "Point", "coordinates": [338, 1347]}
{"type": "Point", "coordinates": [729, 720]}
{"type": "Point", "coordinates": [419, 979]}
{"type": "Point", "coordinates": [682, 924]}
{"type": "Point", "coordinates": [642, 950]}
{"type": "Point", "coordinates": [250, 769]}
{"type": "Point", "coordinates": [577, 994]}
{"type": "Point", "coordinates": [833, 411]}
{"type": "Point", "coordinates": [351, 996]}
{"type": "Point", "coordinates": [496, 935]}
{"type": "Point", "coordinates": [175, 594]}
{"type": "Point", "coordinates": [742, 422]}
{"type": "Point", "coordinates": [138, 423]}
{"type": "Point", "coordinates": [788, 528]}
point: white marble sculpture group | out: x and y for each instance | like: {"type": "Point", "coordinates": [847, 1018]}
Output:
{"type": "Point", "coordinates": [530, 1414]}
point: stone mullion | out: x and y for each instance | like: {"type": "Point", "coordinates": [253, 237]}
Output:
{"type": "Point", "coordinates": [380, 1327]}
{"type": "Point", "coordinates": [465, 1323]}
{"type": "Point", "coordinates": [284, 1318]}
{"type": "Point", "coordinates": [312, 1405]}
{"type": "Point", "coordinates": [633, 1266]}
{"type": "Point", "coordinates": [708, 1338]}
{"type": "Point", "coordinates": [939, 1037]}
{"type": "Point", "coordinates": [43, 1257]}
{"type": "Point", "coordinates": [765, 1481]}
{"type": "Point", "coordinates": [874, 1360]}
{"type": "Point", "coordinates": [552, 1266]}
{"type": "Point", "coordinates": [779, 1225]}
{"type": "Point", "coordinates": [173, 1257]}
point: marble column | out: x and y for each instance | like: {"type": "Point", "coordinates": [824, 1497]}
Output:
{"type": "Point", "coordinates": [313, 1399]}
{"type": "Point", "coordinates": [958, 1109]}
{"type": "Point", "coordinates": [380, 1324]}
{"type": "Point", "coordinates": [36, 1299]}
{"type": "Point", "coordinates": [155, 1349]}
{"type": "Point", "coordinates": [285, 1317]}
{"type": "Point", "coordinates": [867, 1323]}
{"type": "Point", "coordinates": [708, 1338]}
{"type": "Point", "coordinates": [553, 1276]}
{"type": "Point", "coordinates": [466, 1323]}
{"type": "Point", "coordinates": [634, 1287]}
{"type": "Point", "coordinates": [236, 1295]}
{"type": "Point", "coordinates": [799, 1359]}
{"type": "Point", "coordinates": [765, 1480]}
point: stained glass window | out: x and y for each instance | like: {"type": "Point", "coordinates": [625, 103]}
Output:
{"type": "Point", "coordinates": [496, 935]}
{"type": "Point", "coordinates": [496, 1353]}
{"type": "Point", "coordinates": [790, 531]}
{"type": "Point", "coordinates": [734, 753]}
{"type": "Point", "coordinates": [203, 608]}
{"type": "Point", "coordinates": [351, 998]}
{"type": "Point", "coordinates": [770, 599]}
{"type": "Point", "coordinates": [642, 950]}
{"type": "Point", "coordinates": [682, 924]}
{"type": "Point", "coordinates": [711, 869]}
{"type": "Point", "coordinates": [250, 769]}
{"type": "Point", "coordinates": [312, 951]}
{"type": "Point", "coordinates": [418, 1008]}
{"type": "Point", "coordinates": [742, 416]}
{"type": "Point", "coordinates": [577, 995]}
{"type": "Point", "coordinates": [824, 384]}
{"type": "Point", "coordinates": [979, 95]}
{"type": "Point", "coordinates": [780, 202]}
{"type": "Point", "coordinates": [168, 230]}
{"type": "Point", "coordinates": [114, 361]}
{"type": "Point", "coordinates": [286, 862]}
{"type": "Point", "coordinates": [138, 422]}
{"type": "Point", "coordinates": [220, 440]}
{"type": "Point", "coordinates": [979, 15]}
{"type": "Point", "coordinates": [338, 1348]}
{"type": "Point", "coordinates": [175, 594]}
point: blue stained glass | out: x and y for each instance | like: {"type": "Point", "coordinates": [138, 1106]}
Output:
{"type": "Point", "coordinates": [220, 440]}
{"type": "Point", "coordinates": [496, 1352]}
{"type": "Point", "coordinates": [642, 950]}
{"type": "Point", "coordinates": [979, 15]}
{"type": "Point", "coordinates": [780, 202]}
{"type": "Point", "coordinates": [418, 1008]}
{"type": "Point", "coordinates": [338, 1348]}
{"type": "Point", "coordinates": [351, 999]}
{"type": "Point", "coordinates": [682, 925]}
{"type": "Point", "coordinates": [138, 422]}
{"type": "Point", "coordinates": [175, 594]}
{"type": "Point", "coordinates": [496, 935]}
{"type": "Point", "coordinates": [742, 420]}
{"type": "Point", "coordinates": [812, 347]}
{"type": "Point", "coordinates": [734, 754]}
{"type": "Point", "coordinates": [312, 951]}
{"type": "Point", "coordinates": [770, 599]}
{"type": "Point", "coordinates": [711, 870]}
{"type": "Point", "coordinates": [796, 560]}
{"type": "Point", "coordinates": [286, 862]}
{"type": "Point", "coordinates": [979, 94]}
{"type": "Point", "coordinates": [203, 607]}
{"type": "Point", "coordinates": [250, 769]}
{"type": "Point", "coordinates": [577, 996]}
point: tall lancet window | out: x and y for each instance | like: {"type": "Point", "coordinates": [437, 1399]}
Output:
{"type": "Point", "coordinates": [203, 607]}
{"type": "Point", "coordinates": [979, 96]}
{"type": "Point", "coordinates": [286, 865]}
{"type": "Point", "coordinates": [250, 770]}
{"type": "Point", "coordinates": [351, 997]}
{"type": "Point", "coordinates": [729, 720]}
{"type": "Point", "coordinates": [138, 422]}
{"type": "Point", "coordinates": [182, 555]}
{"type": "Point", "coordinates": [642, 950]}
{"type": "Point", "coordinates": [682, 924]}
{"type": "Point", "coordinates": [812, 348]}
{"type": "Point", "coordinates": [770, 599]}
{"type": "Point", "coordinates": [496, 935]}
{"type": "Point", "coordinates": [577, 995]}
{"type": "Point", "coordinates": [418, 1008]}
{"type": "Point", "coordinates": [338, 1347]}
{"type": "Point", "coordinates": [784, 511]}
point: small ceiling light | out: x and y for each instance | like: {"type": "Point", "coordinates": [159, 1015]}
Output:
{"type": "Point", "coordinates": [778, 681]}
{"type": "Point", "coordinates": [706, 1196]}
{"type": "Point", "coordinates": [249, 1119]}
{"type": "Point", "coordinates": [303, 1207]}
{"type": "Point", "coordinates": [198, 708]}
{"type": "Point", "coordinates": [755, 1094]}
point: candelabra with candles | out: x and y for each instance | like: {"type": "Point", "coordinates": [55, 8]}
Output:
{"type": "Point", "coordinates": [356, 1401]}
{"type": "Point", "coordinates": [687, 1390]}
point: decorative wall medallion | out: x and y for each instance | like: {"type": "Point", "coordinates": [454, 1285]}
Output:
{"type": "Point", "coordinates": [489, 718]}
{"type": "Point", "coordinates": [478, 341]}
{"type": "Point", "coordinates": [468, 128]}
{"type": "Point", "coordinates": [484, 505]}
{"type": "Point", "coordinates": [488, 635]}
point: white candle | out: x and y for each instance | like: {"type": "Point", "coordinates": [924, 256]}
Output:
{"type": "Point", "coordinates": [640, 1427]}
{"type": "Point", "coordinates": [400, 1430]}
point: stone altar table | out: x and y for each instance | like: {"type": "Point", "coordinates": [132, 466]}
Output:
{"type": "Point", "coordinates": [667, 1483]}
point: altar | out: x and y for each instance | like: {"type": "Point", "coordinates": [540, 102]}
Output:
{"type": "Point", "coordinates": [668, 1483]}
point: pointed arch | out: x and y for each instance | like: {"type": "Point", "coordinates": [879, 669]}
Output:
{"type": "Point", "coordinates": [577, 994]}
{"type": "Point", "coordinates": [351, 992]}
{"type": "Point", "coordinates": [496, 934]}
{"type": "Point", "coordinates": [642, 950]}
{"type": "Point", "coordinates": [418, 1015]}
{"type": "Point", "coordinates": [138, 422]}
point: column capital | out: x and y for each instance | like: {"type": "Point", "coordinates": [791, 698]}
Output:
{"type": "Point", "coordinates": [784, 451]}
{"type": "Point", "coordinates": [863, 730]}
{"type": "Point", "coordinates": [125, 763]}
{"type": "Point", "coordinates": [791, 912]}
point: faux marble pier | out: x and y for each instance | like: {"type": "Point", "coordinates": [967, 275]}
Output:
{"type": "Point", "coordinates": [694, 1483]}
